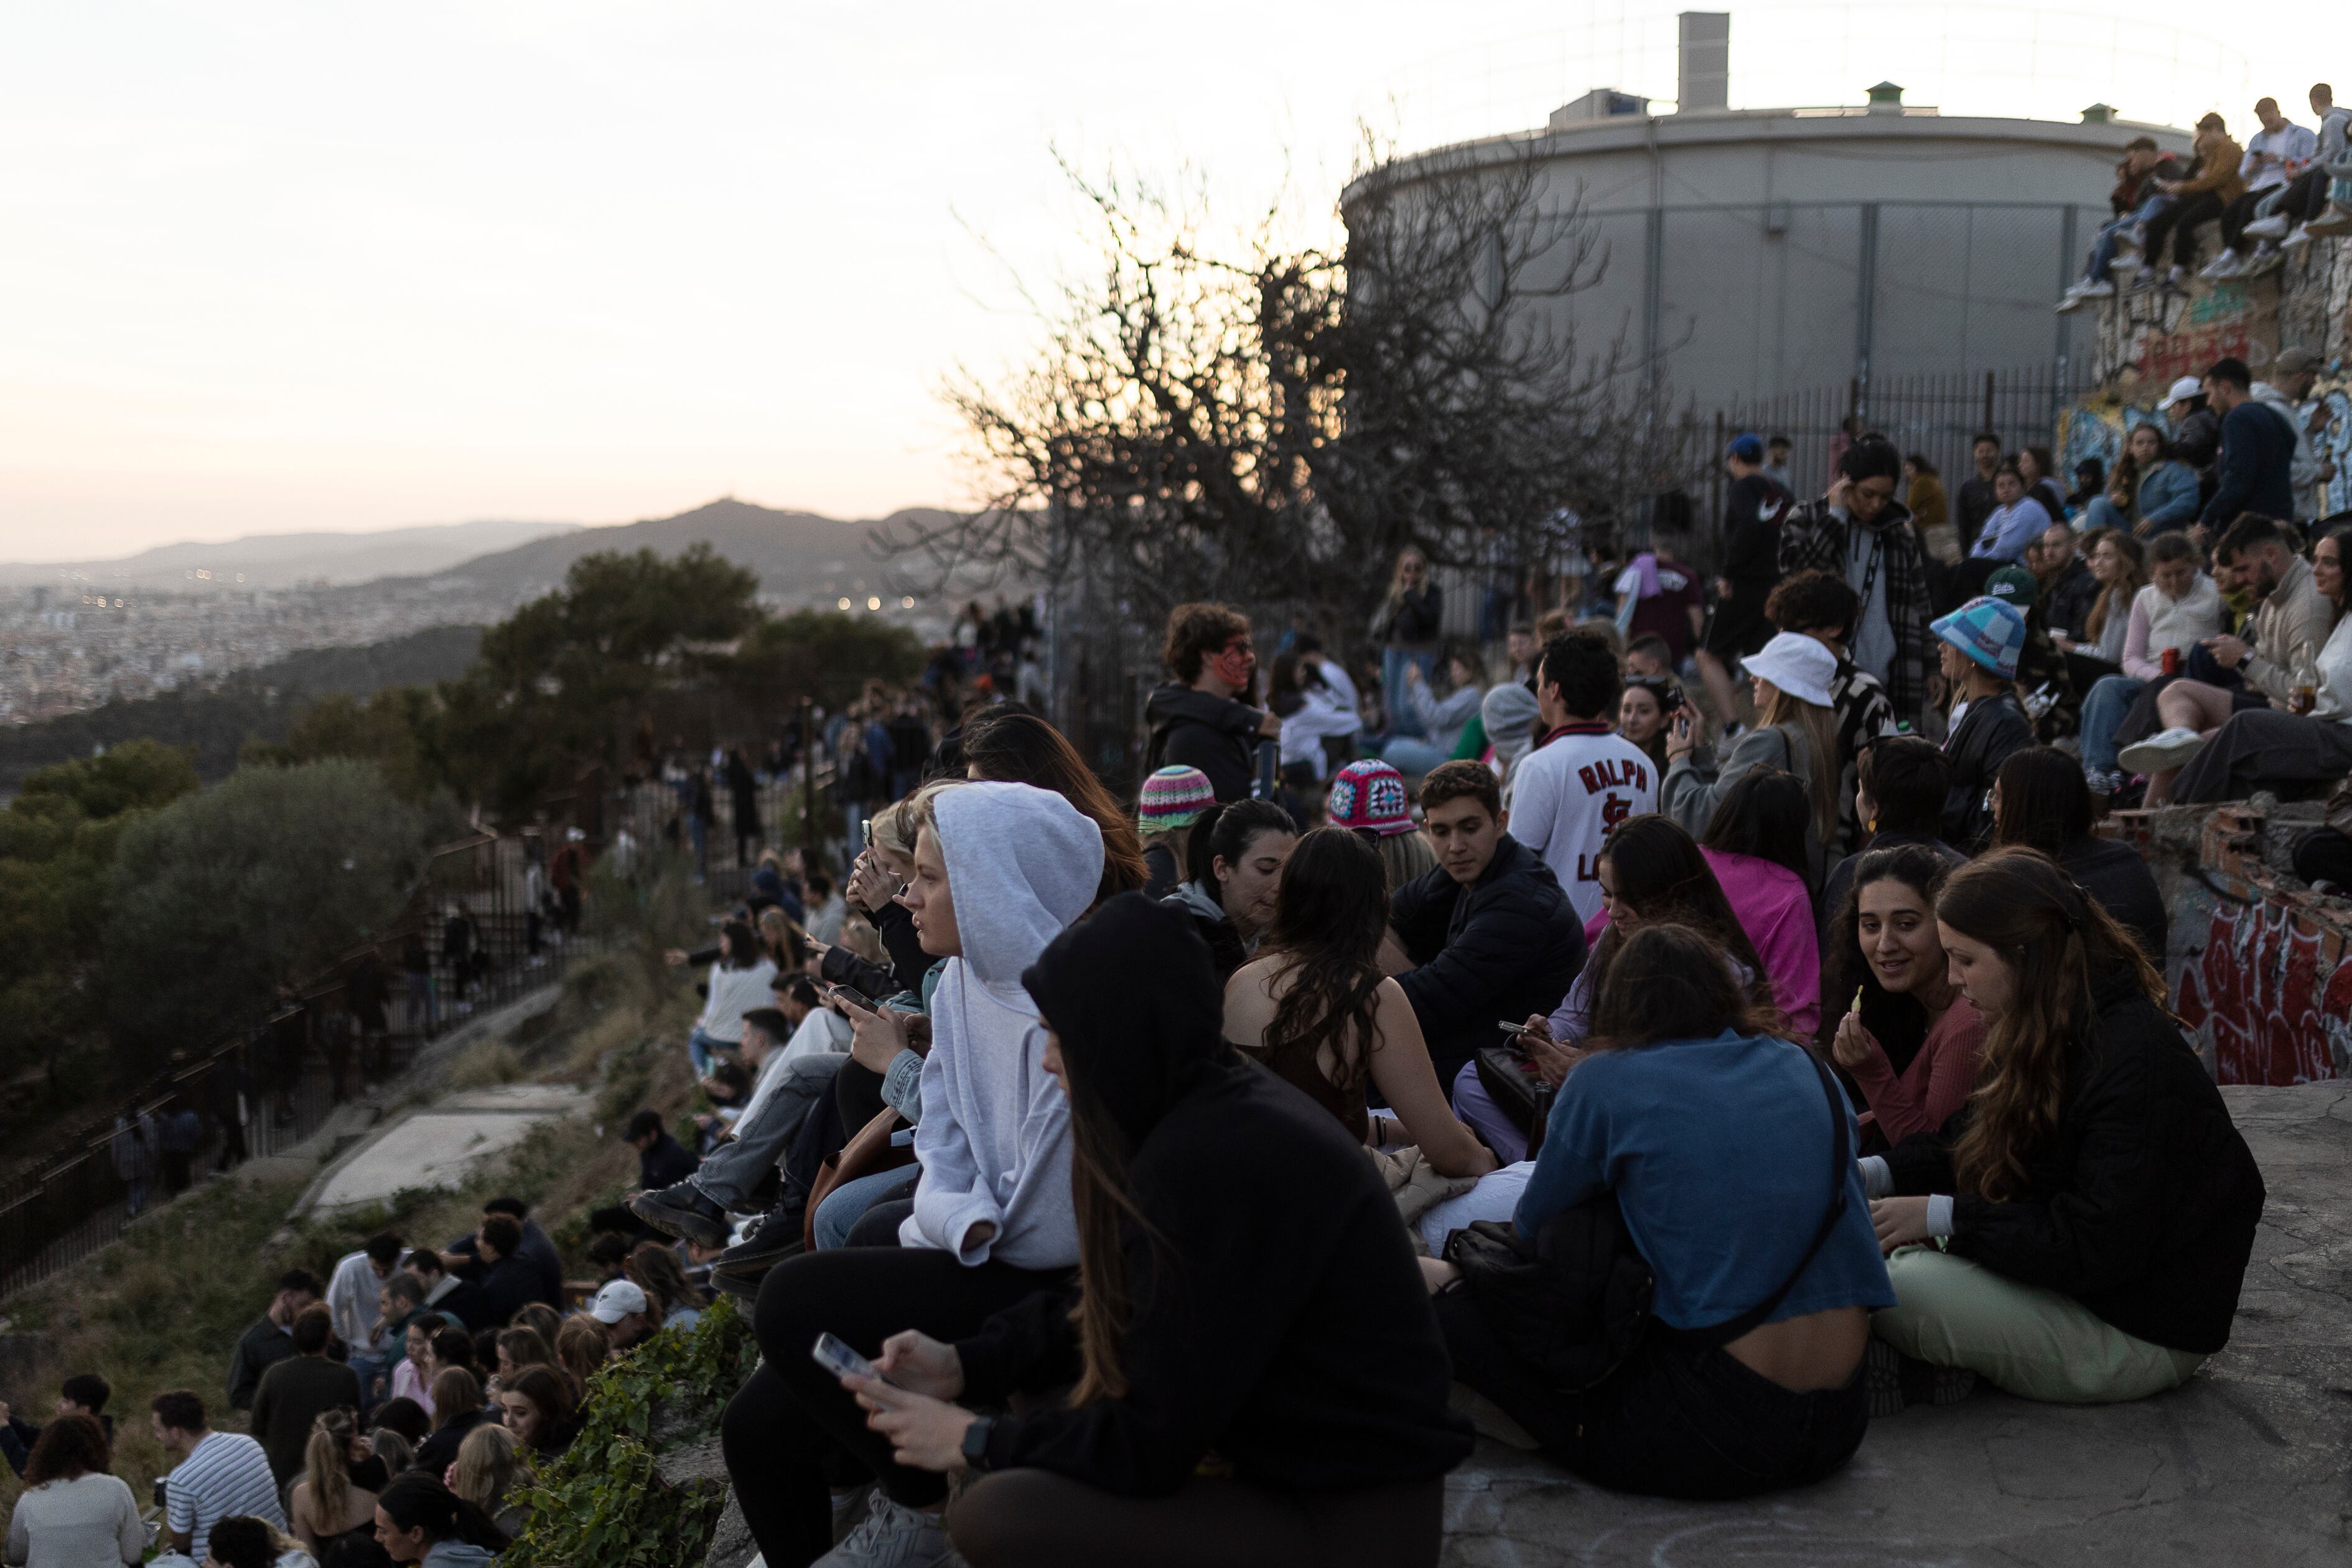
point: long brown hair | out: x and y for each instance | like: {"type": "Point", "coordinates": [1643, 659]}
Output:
{"type": "Point", "coordinates": [2054, 938]}
{"type": "Point", "coordinates": [2115, 598]}
{"type": "Point", "coordinates": [655, 1269]}
{"type": "Point", "coordinates": [1657, 870]}
{"type": "Point", "coordinates": [455, 1390]}
{"type": "Point", "coordinates": [326, 1465]}
{"type": "Point", "coordinates": [1022, 747]}
{"type": "Point", "coordinates": [582, 1349]}
{"type": "Point", "coordinates": [1793, 716]}
{"type": "Point", "coordinates": [69, 1446]}
{"type": "Point", "coordinates": [1328, 918]}
{"type": "Point", "coordinates": [1098, 1195]}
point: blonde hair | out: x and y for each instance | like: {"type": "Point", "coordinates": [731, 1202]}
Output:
{"type": "Point", "coordinates": [582, 1349]}
{"type": "Point", "coordinates": [1406, 856]}
{"type": "Point", "coordinates": [1793, 716]}
{"type": "Point", "coordinates": [484, 1467]}
{"type": "Point", "coordinates": [326, 1468]}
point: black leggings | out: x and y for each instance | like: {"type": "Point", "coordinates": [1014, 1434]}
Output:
{"type": "Point", "coordinates": [1672, 1421]}
{"type": "Point", "coordinates": [786, 1429]}
{"type": "Point", "coordinates": [1034, 1519]}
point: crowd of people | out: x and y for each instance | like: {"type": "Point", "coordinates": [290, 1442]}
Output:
{"type": "Point", "coordinates": [1170, 1176]}
{"type": "Point", "coordinates": [2287, 187]}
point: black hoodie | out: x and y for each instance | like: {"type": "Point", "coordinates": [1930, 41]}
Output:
{"type": "Point", "coordinates": [1279, 1319]}
{"type": "Point", "coordinates": [1194, 729]}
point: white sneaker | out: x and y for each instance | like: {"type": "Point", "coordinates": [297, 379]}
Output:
{"type": "Point", "coordinates": [2073, 300]}
{"type": "Point", "coordinates": [2098, 289]}
{"type": "Point", "coordinates": [2298, 239]}
{"type": "Point", "coordinates": [2131, 242]}
{"type": "Point", "coordinates": [892, 1536]}
{"type": "Point", "coordinates": [2268, 227]}
{"type": "Point", "coordinates": [2222, 266]}
{"type": "Point", "coordinates": [2335, 219]}
{"type": "Point", "coordinates": [2162, 753]}
{"type": "Point", "coordinates": [2178, 277]}
{"type": "Point", "coordinates": [2269, 259]}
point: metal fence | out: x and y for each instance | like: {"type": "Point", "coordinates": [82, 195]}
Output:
{"type": "Point", "coordinates": [483, 926]}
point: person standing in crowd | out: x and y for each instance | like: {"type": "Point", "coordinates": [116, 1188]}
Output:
{"type": "Point", "coordinates": [1198, 719]}
{"type": "Point", "coordinates": [1776, 462]}
{"type": "Point", "coordinates": [1977, 496]}
{"type": "Point", "coordinates": [2309, 741]}
{"type": "Point", "coordinates": [1000, 869]}
{"type": "Point", "coordinates": [1510, 714]}
{"type": "Point", "coordinates": [270, 1340]}
{"type": "Point", "coordinates": [2093, 1208]}
{"type": "Point", "coordinates": [1980, 642]}
{"type": "Point", "coordinates": [1331, 1425]}
{"type": "Point", "coordinates": [1412, 619]}
{"type": "Point", "coordinates": [1752, 509]}
{"type": "Point", "coordinates": [296, 1390]}
{"type": "Point", "coordinates": [1795, 732]}
{"type": "Point", "coordinates": [1911, 1041]}
{"type": "Point", "coordinates": [2256, 472]}
{"type": "Point", "coordinates": [74, 1513]}
{"type": "Point", "coordinates": [1582, 779]}
{"type": "Point", "coordinates": [1657, 597]}
{"type": "Point", "coordinates": [2017, 519]}
{"type": "Point", "coordinates": [2041, 801]}
{"type": "Point", "coordinates": [353, 1294]}
{"type": "Point", "coordinates": [221, 1474]}
{"type": "Point", "coordinates": [1931, 508]}
{"type": "Point", "coordinates": [137, 1151]}
{"type": "Point", "coordinates": [1819, 605]}
{"type": "Point", "coordinates": [1861, 533]}
{"type": "Point", "coordinates": [2291, 624]}
{"type": "Point", "coordinates": [2177, 609]}
{"type": "Point", "coordinates": [1490, 934]}
{"type": "Point", "coordinates": [1713, 1135]}
{"type": "Point", "coordinates": [1900, 788]}
{"type": "Point", "coordinates": [1235, 858]}
{"type": "Point", "coordinates": [2069, 588]}
{"type": "Point", "coordinates": [1315, 1007]}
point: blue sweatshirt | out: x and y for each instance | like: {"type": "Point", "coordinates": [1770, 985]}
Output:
{"type": "Point", "coordinates": [2256, 468]}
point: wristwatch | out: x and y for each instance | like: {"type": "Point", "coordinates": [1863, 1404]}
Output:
{"type": "Point", "coordinates": [975, 1443]}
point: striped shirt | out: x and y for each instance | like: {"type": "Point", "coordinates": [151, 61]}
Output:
{"type": "Point", "coordinates": [222, 1476]}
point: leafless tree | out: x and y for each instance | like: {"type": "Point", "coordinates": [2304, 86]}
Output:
{"type": "Point", "coordinates": [1273, 429]}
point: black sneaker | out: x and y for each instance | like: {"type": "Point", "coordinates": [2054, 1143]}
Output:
{"type": "Point", "coordinates": [682, 1211]}
{"type": "Point", "coordinates": [773, 1236]}
{"type": "Point", "coordinates": [1895, 1382]}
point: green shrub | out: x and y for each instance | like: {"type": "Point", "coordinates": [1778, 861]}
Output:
{"type": "Point", "coordinates": [603, 1502]}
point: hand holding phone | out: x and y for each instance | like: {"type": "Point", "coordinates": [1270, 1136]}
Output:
{"type": "Point", "coordinates": [853, 998]}
{"type": "Point", "coordinates": [833, 1353]}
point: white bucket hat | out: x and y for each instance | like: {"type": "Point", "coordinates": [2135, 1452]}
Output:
{"type": "Point", "coordinates": [1798, 665]}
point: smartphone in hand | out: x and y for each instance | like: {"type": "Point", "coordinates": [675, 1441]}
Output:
{"type": "Point", "coordinates": [856, 998]}
{"type": "Point", "coordinates": [834, 1354]}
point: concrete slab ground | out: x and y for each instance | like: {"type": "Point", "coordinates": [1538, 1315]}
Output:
{"type": "Point", "coordinates": [441, 1146]}
{"type": "Point", "coordinates": [2248, 1464]}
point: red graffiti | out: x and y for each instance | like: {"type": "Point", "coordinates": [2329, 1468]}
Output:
{"type": "Point", "coordinates": [2262, 994]}
{"type": "Point", "coordinates": [2163, 356]}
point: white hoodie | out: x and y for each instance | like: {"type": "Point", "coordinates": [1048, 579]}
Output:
{"type": "Point", "coordinates": [995, 1143]}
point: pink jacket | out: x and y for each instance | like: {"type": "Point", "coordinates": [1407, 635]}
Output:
{"type": "Point", "coordinates": [1777, 913]}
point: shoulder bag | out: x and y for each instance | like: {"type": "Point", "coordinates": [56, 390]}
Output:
{"type": "Point", "coordinates": [1576, 1301]}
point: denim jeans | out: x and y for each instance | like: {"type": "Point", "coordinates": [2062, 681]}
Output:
{"type": "Point", "coordinates": [1409, 754]}
{"type": "Point", "coordinates": [2103, 709]}
{"type": "Point", "coordinates": [847, 1204]}
{"type": "Point", "coordinates": [1672, 1421]}
{"type": "Point", "coordinates": [2102, 251]}
{"type": "Point", "coordinates": [2103, 513]}
{"type": "Point", "coordinates": [1402, 719]}
{"type": "Point", "coordinates": [703, 1050]}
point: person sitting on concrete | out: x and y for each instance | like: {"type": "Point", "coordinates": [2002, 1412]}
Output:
{"type": "Point", "coordinates": [1332, 1427]}
{"type": "Point", "coordinates": [73, 1513]}
{"type": "Point", "coordinates": [270, 1339]}
{"type": "Point", "coordinates": [1980, 642]}
{"type": "Point", "coordinates": [1901, 785]}
{"type": "Point", "coordinates": [626, 1314]}
{"type": "Point", "coordinates": [295, 1391]}
{"type": "Point", "coordinates": [2199, 198]}
{"type": "Point", "coordinates": [221, 1475]}
{"type": "Point", "coordinates": [2291, 625]}
{"type": "Point", "coordinates": [1490, 934]}
{"type": "Point", "coordinates": [2041, 801]}
{"type": "Point", "coordinates": [1726, 1147]}
{"type": "Point", "coordinates": [2274, 156]}
{"type": "Point", "coordinates": [2017, 519]}
{"type": "Point", "coordinates": [2135, 200]}
{"type": "Point", "coordinates": [85, 1394]}
{"type": "Point", "coordinates": [661, 1158]}
{"type": "Point", "coordinates": [2089, 1254]}
{"type": "Point", "coordinates": [1911, 1041]}
{"type": "Point", "coordinates": [2174, 613]}
{"type": "Point", "coordinates": [1233, 865]}
{"type": "Point", "coordinates": [2069, 588]}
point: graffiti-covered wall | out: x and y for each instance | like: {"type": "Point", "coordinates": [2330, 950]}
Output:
{"type": "Point", "coordinates": [2259, 969]}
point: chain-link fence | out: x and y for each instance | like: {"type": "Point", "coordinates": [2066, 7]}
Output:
{"type": "Point", "coordinates": [489, 920]}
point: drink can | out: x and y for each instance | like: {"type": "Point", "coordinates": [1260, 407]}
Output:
{"type": "Point", "coordinates": [2172, 661]}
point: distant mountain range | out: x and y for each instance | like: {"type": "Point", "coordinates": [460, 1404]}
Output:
{"type": "Point", "coordinates": [799, 555]}
{"type": "Point", "coordinates": [283, 560]}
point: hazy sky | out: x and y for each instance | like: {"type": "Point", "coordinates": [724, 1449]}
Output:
{"type": "Point", "coordinates": [271, 266]}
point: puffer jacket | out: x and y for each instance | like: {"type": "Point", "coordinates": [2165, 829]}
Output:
{"type": "Point", "coordinates": [1986, 733]}
{"type": "Point", "coordinates": [1194, 729]}
{"type": "Point", "coordinates": [1508, 945]}
{"type": "Point", "coordinates": [2141, 1203]}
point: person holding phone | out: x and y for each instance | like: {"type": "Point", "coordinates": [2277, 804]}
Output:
{"type": "Point", "coordinates": [1301, 1349]}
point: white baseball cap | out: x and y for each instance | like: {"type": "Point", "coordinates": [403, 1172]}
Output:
{"type": "Point", "coordinates": [2187, 387]}
{"type": "Point", "coordinates": [616, 1301]}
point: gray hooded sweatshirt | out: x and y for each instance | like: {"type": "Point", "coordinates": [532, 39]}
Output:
{"type": "Point", "coordinates": [995, 1143]}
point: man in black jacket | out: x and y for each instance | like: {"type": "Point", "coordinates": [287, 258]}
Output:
{"type": "Point", "coordinates": [1491, 934]}
{"type": "Point", "coordinates": [1752, 509]}
{"type": "Point", "coordinates": [661, 1159]}
{"type": "Point", "coordinates": [270, 1338]}
{"type": "Point", "coordinates": [2257, 463]}
{"type": "Point", "coordinates": [1196, 719]}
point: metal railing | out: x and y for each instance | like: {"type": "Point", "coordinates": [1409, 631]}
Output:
{"type": "Point", "coordinates": [470, 939]}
